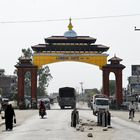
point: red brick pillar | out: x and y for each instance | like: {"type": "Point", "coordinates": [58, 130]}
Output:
{"type": "Point", "coordinates": [20, 74]}
{"type": "Point", "coordinates": [106, 82]}
{"type": "Point", "coordinates": [119, 95]}
{"type": "Point", "coordinates": [25, 65]}
{"type": "Point", "coordinates": [116, 68]}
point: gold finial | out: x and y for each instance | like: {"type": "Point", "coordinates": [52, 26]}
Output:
{"type": "Point", "coordinates": [70, 25]}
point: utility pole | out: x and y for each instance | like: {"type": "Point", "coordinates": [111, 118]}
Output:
{"type": "Point", "coordinates": [81, 83]}
{"type": "Point", "coordinates": [82, 95]}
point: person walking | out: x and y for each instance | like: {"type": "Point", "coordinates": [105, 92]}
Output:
{"type": "Point", "coordinates": [9, 116]}
{"type": "Point", "coordinates": [132, 108]}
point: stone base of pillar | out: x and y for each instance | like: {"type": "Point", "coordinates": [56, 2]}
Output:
{"type": "Point", "coordinates": [33, 103]}
{"type": "Point", "coordinates": [21, 105]}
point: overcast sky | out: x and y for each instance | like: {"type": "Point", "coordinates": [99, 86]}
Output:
{"type": "Point", "coordinates": [110, 29]}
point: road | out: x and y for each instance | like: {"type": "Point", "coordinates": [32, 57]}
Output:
{"type": "Point", "coordinates": [56, 126]}
{"type": "Point", "coordinates": [125, 130]}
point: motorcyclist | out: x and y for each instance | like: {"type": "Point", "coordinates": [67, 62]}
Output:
{"type": "Point", "coordinates": [42, 107]}
{"type": "Point", "coordinates": [132, 108]}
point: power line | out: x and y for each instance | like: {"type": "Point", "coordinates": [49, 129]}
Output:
{"type": "Point", "coordinates": [82, 18]}
{"type": "Point", "coordinates": [30, 21]}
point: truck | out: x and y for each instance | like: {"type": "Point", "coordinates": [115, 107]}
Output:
{"type": "Point", "coordinates": [67, 97]}
{"type": "Point", "coordinates": [100, 103]}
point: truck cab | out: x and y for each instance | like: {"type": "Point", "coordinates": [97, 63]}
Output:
{"type": "Point", "coordinates": [100, 103]}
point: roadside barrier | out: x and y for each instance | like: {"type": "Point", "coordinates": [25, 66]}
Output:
{"type": "Point", "coordinates": [104, 118]}
{"type": "Point", "coordinates": [74, 118]}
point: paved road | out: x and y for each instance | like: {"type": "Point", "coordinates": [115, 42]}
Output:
{"type": "Point", "coordinates": [125, 130]}
{"type": "Point", "coordinates": [56, 126]}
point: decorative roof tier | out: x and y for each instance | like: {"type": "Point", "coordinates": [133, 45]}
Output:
{"type": "Point", "coordinates": [115, 60]}
{"type": "Point", "coordinates": [64, 47]}
{"type": "Point", "coordinates": [63, 39]}
{"type": "Point", "coordinates": [24, 62]}
{"type": "Point", "coordinates": [114, 63]}
{"type": "Point", "coordinates": [70, 42]}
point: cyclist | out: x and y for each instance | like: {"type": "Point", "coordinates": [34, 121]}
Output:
{"type": "Point", "coordinates": [132, 108]}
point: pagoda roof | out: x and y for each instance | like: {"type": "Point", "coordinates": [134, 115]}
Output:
{"type": "Point", "coordinates": [115, 58]}
{"type": "Point", "coordinates": [77, 39]}
{"type": "Point", "coordinates": [49, 47]}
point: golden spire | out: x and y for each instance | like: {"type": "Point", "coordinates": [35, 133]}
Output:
{"type": "Point", "coordinates": [70, 25]}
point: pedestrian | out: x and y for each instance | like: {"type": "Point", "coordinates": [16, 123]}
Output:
{"type": "Point", "coordinates": [9, 117]}
{"type": "Point", "coordinates": [132, 108]}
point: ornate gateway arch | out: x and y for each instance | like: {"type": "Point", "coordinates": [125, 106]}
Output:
{"type": "Point", "coordinates": [69, 47]}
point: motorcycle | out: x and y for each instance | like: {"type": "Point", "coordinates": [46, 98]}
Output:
{"type": "Point", "coordinates": [42, 113]}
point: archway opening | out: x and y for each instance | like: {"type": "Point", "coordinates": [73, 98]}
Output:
{"type": "Point", "coordinates": [72, 74]}
{"type": "Point", "coordinates": [27, 89]}
{"type": "Point", "coordinates": [112, 85]}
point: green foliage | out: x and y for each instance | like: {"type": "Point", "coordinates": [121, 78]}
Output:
{"type": "Point", "coordinates": [44, 77]}
{"type": "Point", "coordinates": [89, 93]}
{"type": "Point", "coordinates": [112, 87]}
{"type": "Point", "coordinates": [27, 52]}
{"type": "Point", "coordinates": [27, 83]}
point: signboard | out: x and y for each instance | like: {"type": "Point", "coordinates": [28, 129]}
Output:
{"type": "Point", "coordinates": [136, 70]}
{"type": "Point", "coordinates": [134, 79]}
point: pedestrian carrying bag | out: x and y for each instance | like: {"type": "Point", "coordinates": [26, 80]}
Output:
{"type": "Point", "coordinates": [2, 115]}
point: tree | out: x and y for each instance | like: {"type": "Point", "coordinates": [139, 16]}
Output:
{"type": "Point", "coordinates": [44, 77]}
{"type": "Point", "coordinates": [112, 87]}
{"type": "Point", "coordinates": [90, 92]}
{"type": "Point", "coordinates": [27, 52]}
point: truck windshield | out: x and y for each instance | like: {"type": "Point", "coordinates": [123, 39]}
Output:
{"type": "Point", "coordinates": [102, 102]}
{"type": "Point", "coordinates": [67, 92]}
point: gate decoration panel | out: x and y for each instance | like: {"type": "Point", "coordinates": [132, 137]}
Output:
{"type": "Point", "coordinates": [47, 58]}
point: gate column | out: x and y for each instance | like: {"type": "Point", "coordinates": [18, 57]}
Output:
{"type": "Point", "coordinates": [116, 68]}
{"type": "Point", "coordinates": [106, 82]}
{"type": "Point", "coordinates": [119, 94]}
{"type": "Point", "coordinates": [25, 65]}
{"type": "Point", "coordinates": [20, 75]}
{"type": "Point", "coordinates": [34, 88]}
